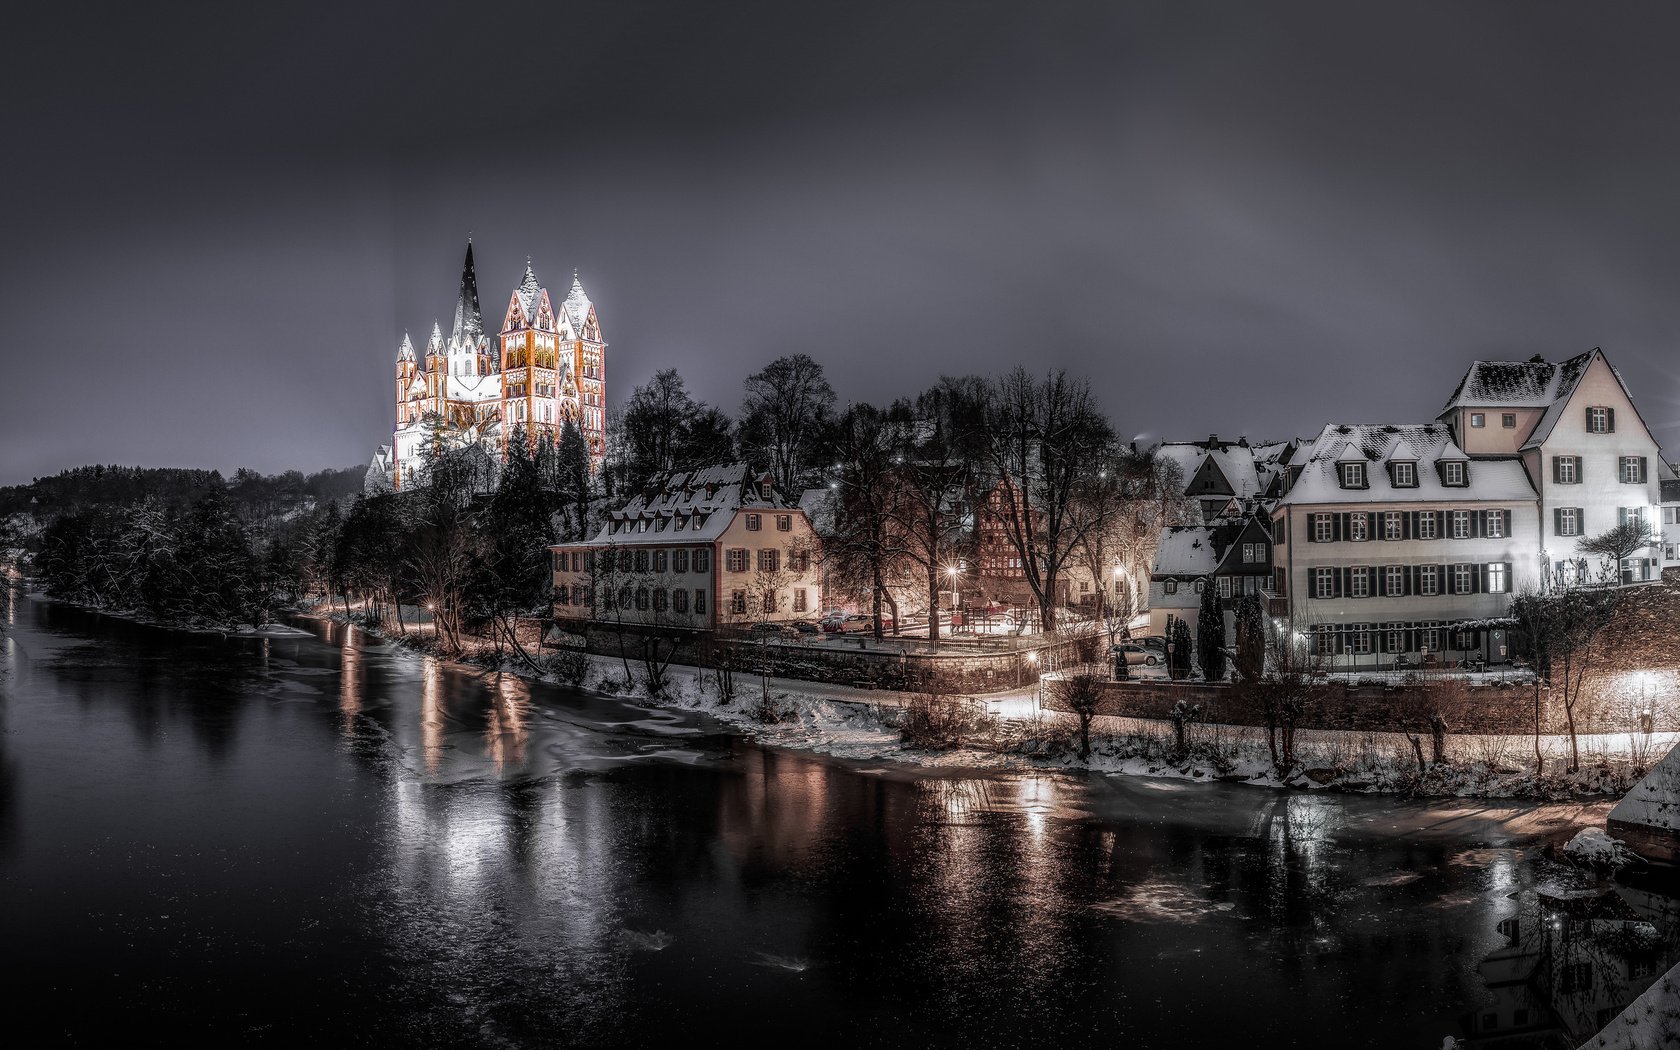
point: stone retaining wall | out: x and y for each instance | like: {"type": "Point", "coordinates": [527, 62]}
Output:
{"type": "Point", "coordinates": [1493, 708]}
{"type": "Point", "coordinates": [830, 662]}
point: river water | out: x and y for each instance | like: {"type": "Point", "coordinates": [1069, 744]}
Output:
{"type": "Point", "coordinates": [323, 837]}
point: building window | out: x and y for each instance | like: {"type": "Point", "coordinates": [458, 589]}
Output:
{"type": "Point", "coordinates": [1359, 640]}
{"type": "Point", "coordinates": [1428, 579]}
{"type": "Point", "coordinates": [1358, 527]}
{"type": "Point", "coordinates": [1566, 470]}
{"type": "Point", "coordinates": [1353, 475]}
{"type": "Point", "coordinates": [1463, 578]}
{"type": "Point", "coordinates": [679, 601]}
{"type": "Point", "coordinates": [1508, 420]}
{"type": "Point", "coordinates": [1498, 577]}
{"type": "Point", "coordinates": [659, 561]}
{"type": "Point", "coordinates": [1426, 525]}
{"type": "Point", "coordinates": [642, 598]}
{"type": "Point", "coordinates": [754, 522]}
{"type": "Point", "coordinates": [1254, 553]}
{"type": "Point", "coordinates": [769, 602]}
{"type": "Point", "coordinates": [1632, 470]}
{"type": "Point", "coordinates": [784, 523]}
{"type": "Point", "coordinates": [1405, 475]}
{"type": "Point", "coordinates": [700, 601]}
{"type": "Point", "coordinates": [626, 597]}
{"type": "Point", "coordinates": [1460, 524]}
{"type": "Point", "coordinates": [799, 599]}
{"type": "Point", "coordinates": [1429, 636]}
{"type": "Point", "coordinates": [1169, 587]}
{"type": "Point", "coordinates": [1494, 526]}
{"type": "Point", "coordinates": [703, 559]}
{"type": "Point", "coordinates": [1201, 585]}
{"type": "Point", "coordinates": [1393, 525]}
{"type": "Point", "coordinates": [1324, 583]}
{"type": "Point", "coordinates": [1599, 420]}
{"type": "Point", "coordinates": [738, 602]}
{"type": "Point", "coordinates": [799, 559]}
{"type": "Point", "coordinates": [735, 559]}
{"type": "Point", "coordinates": [1224, 586]}
{"type": "Point", "coordinates": [1396, 640]}
{"type": "Point", "coordinates": [1394, 580]}
{"type": "Point", "coordinates": [1359, 583]}
{"type": "Point", "coordinates": [769, 560]}
{"type": "Point", "coordinates": [1452, 472]}
{"type": "Point", "coordinates": [1568, 521]}
{"type": "Point", "coordinates": [1324, 528]}
{"type": "Point", "coordinates": [1478, 420]}
{"type": "Point", "coordinates": [679, 559]}
{"type": "Point", "coordinates": [661, 599]}
{"type": "Point", "coordinates": [563, 595]}
{"type": "Point", "coordinates": [642, 561]}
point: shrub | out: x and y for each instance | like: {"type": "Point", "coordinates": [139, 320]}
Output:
{"type": "Point", "coordinates": [932, 721]}
{"type": "Point", "coordinates": [569, 667]}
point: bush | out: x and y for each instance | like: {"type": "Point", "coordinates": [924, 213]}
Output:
{"type": "Point", "coordinates": [934, 722]}
{"type": "Point", "coordinates": [569, 667]}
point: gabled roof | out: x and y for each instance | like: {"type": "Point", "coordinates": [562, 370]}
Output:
{"type": "Point", "coordinates": [435, 343]}
{"type": "Point", "coordinates": [688, 506]}
{"type": "Point", "coordinates": [1535, 383]}
{"type": "Point", "coordinates": [577, 305]}
{"type": "Point", "coordinates": [527, 291]}
{"type": "Point", "coordinates": [405, 349]}
{"type": "Point", "coordinates": [1186, 551]}
{"type": "Point", "coordinates": [1378, 444]}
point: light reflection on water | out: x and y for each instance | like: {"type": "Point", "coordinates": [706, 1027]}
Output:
{"type": "Point", "coordinates": [453, 857]}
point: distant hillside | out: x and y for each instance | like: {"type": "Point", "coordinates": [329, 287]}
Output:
{"type": "Point", "coordinates": [258, 496]}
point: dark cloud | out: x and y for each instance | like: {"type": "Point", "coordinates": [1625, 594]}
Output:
{"type": "Point", "coordinates": [1233, 217]}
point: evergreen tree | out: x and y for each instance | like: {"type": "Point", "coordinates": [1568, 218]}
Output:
{"type": "Point", "coordinates": [573, 473]}
{"type": "Point", "coordinates": [1210, 633]}
{"type": "Point", "coordinates": [1178, 636]}
{"type": "Point", "coordinates": [1251, 638]}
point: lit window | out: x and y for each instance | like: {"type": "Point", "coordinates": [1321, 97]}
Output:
{"type": "Point", "coordinates": [1498, 577]}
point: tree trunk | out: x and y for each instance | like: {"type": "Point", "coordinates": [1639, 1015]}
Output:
{"type": "Point", "coordinates": [933, 600]}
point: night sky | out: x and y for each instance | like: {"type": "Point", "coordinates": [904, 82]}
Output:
{"type": "Point", "coordinates": [1234, 217]}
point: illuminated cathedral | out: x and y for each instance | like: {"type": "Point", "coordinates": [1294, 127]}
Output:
{"type": "Point", "coordinates": [546, 366]}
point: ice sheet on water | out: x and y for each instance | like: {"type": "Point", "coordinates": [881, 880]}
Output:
{"type": "Point", "coordinates": [1393, 878]}
{"type": "Point", "coordinates": [1162, 902]}
{"type": "Point", "coordinates": [653, 941]}
{"type": "Point", "coordinates": [790, 963]}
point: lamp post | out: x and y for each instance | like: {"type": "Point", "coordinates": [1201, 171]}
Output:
{"type": "Point", "coordinates": [952, 573]}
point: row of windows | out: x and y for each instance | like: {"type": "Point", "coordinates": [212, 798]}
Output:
{"type": "Point", "coordinates": [1358, 639]}
{"type": "Point", "coordinates": [640, 599]}
{"type": "Point", "coordinates": [1508, 420]}
{"type": "Point", "coordinates": [676, 523]}
{"type": "Point", "coordinates": [784, 522]}
{"type": "Point", "coordinates": [769, 601]}
{"type": "Point", "coordinates": [1229, 586]}
{"type": "Point", "coordinates": [1397, 581]}
{"type": "Point", "coordinates": [1569, 470]}
{"type": "Point", "coordinates": [1572, 521]}
{"type": "Point", "coordinates": [739, 559]}
{"type": "Point", "coordinates": [659, 559]}
{"type": "Point", "coordinates": [1359, 526]}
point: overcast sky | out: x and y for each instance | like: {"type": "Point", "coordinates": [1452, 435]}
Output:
{"type": "Point", "coordinates": [1234, 217]}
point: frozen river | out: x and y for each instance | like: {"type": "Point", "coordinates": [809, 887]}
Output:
{"type": "Point", "coordinates": [325, 838]}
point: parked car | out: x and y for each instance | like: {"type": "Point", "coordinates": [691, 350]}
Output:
{"type": "Point", "coordinates": [1152, 641]}
{"type": "Point", "coordinates": [771, 631]}
{"type": "Point", "coordinates": [806, 626]}
{"type": "Point", "coordinates": [858, 623]}
{"type": "Point", "coordinates": [1138, 654]}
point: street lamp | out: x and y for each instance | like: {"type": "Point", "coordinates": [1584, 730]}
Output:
{"type": "Point", "coordinates": [951, 574]}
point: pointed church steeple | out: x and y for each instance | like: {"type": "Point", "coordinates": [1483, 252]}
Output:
{"type": "Point", "coordinates": [469, 324]}
{"type": "Point", "coordinates": [529, 289]}
{"type": "Point", "coordinates": [405, 349]}
{"type": "Point", "coordinates": [435, 344]}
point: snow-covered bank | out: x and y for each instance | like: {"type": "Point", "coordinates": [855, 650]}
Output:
{"type": "Point", "coordinates": [270, 629]}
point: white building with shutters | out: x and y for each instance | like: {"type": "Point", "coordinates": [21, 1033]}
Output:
{"type": "Point", "coordinates": [1389, 536]}
{"type": "Point", "coordinates": [1593, 461]}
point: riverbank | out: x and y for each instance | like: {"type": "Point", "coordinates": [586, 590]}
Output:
{"type": "Point", "coordinates": [1011, 731]}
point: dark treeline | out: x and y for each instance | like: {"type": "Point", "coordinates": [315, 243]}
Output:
{"type": "Point", "coordinates": [254, 494]}
{"type": "Point", "coordinates": [468, 544]}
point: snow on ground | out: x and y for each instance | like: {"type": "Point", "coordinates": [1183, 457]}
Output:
{"type": "Point", "coordinates": [1594, 848]}
{"type": "Point", "coordinates": [1649, 1022]}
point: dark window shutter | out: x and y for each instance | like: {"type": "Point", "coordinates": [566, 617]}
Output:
{"type": "Point", "coordinates": [1440, 523]}
{"type": "Point", "coordinates": [1478, 579]}
{"type": "Point", "coordinates": [1589, 419]}
{"type": "Point", "coordinates": [1621, 515]}
{"type": "Point", "coordinates": [1336, 532]}
{"type": "Point", "coordinates": [1557, 470]}
{"type": "Point", "coordinates": [1580, 469]}
{"type": "Point", "coordinates": [1557, 521]}
{"type": "Point", "coordinates": [1642, 470]}
{"type": "Point", "coordinates": [1477, 519]}
{"type": "Point", "coordinates": [1610, 418]}
{"type": "Point", "coordinates": [1505, 514]}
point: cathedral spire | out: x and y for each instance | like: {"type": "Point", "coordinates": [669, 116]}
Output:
{"type": "Point", "coordinates": [435, 344]}
{"type": "Point", "coordinates": [529, 289]}
{"type": "Point", "coordinates": [469, 325]}
{"type": "Point", "coordinates": [405, 349]}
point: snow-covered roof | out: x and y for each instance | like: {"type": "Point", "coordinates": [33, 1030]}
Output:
{"type": "Point", "coordinates": [473, 387]}
{"type": "Point", "coordinates": [1535, 383]}
{"type": "Point", "coordinates": [1186, 550]}
{"type": "Point", "coordinates": [688, 506]}
{"type": "Point", "coordinates": [1248, 469]}
{"type": "Point", "coordinates": [1650, 1021]}
{"type": "Point", "coordinates": [1378, 444]}
{"type": "Point", "coordinates": [405, 349]}
{"type": "Point", "coordinates": [1655, 801]}
{"type": "Point", "coordinates": [576, 305]}
{"type": "Point", "coordinates": [528, 290]}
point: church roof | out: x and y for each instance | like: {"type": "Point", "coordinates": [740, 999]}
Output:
{"type": "Point", "coordinates": [468, 328]}
{"type": "Point", "coordinates": [576, 304]}
{"type": "Point", "coordinates": [529, 291]}
{"type": "Point", "coordinates": [405, 349]}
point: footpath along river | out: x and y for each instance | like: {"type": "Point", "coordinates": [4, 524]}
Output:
{"type": "Point", "coordinates": [326, 838]}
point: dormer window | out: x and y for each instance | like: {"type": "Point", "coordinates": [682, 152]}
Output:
{"type": "Point", "coordinates": [1453, 473]}
{"type": "Point", "coordinates": [1353, 475]}
{"type": "Point", "coordinates": [1403, 474]}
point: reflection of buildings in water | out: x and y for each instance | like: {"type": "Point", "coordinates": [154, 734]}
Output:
{"type": "Point", "coordinates": [1569, 965]}
{"type": "Point", "coordinates": [431, 714]}
{"type": "Point", "coordinates": [778, 812]}
{"type": "Point", "coordinates": [506, 725]}
{"type": "Point", "coordinates": [349, 682]}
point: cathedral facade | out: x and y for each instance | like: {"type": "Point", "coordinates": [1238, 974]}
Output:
{"type": "Point", "coordinates": [544, 368]}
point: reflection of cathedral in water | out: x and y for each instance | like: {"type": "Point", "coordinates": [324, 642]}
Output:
{"type": "Point", "coordinates": [1570, 962]}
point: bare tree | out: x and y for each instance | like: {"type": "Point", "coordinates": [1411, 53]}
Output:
{"type": "Point", "coordinates": [1287, 691]}
{"type": "Point", "coordinates": [1042, 442]}
{"type": "Point", "coordinates": [1616, 545]}
{"type": "Point", "coordinates": [867, 546]}
{"type": "Point", "coordinates": [787, 409]}
{"type": "Point", "coordinates": [928, 480]}
{"type": "Point", "coordinates": [1081, 693]}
